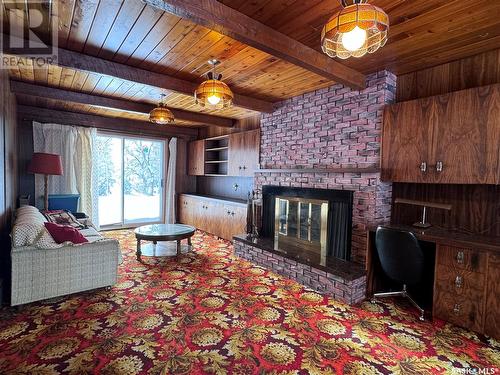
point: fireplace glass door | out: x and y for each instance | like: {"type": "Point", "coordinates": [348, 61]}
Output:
{"type": "Point", "coordinates": [301, 224]}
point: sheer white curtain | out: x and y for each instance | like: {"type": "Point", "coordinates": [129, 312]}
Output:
{"type": "Point", "coordinates": [170, 184]}
{"type": "Point", "coordinates": [75, 145]}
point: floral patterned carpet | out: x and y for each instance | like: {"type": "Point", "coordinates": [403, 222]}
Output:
{"type": "Point", "coordinates": [211, 313]}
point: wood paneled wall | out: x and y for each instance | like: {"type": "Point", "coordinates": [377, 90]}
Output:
{"type": "Point", "coordinates": [8, 154]}
{"type": "Point", "coordinates": [242, 125]}
{"type": "Point", "coordinates": [474, 71]}
{"type": "Point", "coordinates": [225, 186]}
{"type": "Point", "coordinates": [8, 173]}
{"type": "Point", "coordinates": [476, 208]}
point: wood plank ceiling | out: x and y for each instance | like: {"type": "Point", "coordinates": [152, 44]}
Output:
{"type": "Point", "coordinates": [423, 33]}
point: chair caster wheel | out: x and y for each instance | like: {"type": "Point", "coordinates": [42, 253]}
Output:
{"type": "Point", "coordinates": [373, 301]}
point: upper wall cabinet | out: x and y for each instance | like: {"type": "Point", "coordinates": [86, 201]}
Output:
{"type": "Point", "coordinates": [196, 158]}
{"type": "Point", "coordinates": [244, 153]}
{"type": "Point", "coordinates": [452, 138]}
{"type": "Point", "coordinates": [235, 154]}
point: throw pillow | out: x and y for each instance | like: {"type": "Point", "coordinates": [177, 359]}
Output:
{"type": "Point", "coordinates": [62, 217]}
{"type": "Point", "coordinates": [63, 233]}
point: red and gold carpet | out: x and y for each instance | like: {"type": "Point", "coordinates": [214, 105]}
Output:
{"type": "Point", "coordinates": [211, 313]}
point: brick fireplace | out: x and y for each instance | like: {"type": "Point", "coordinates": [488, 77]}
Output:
{"type": "Point", "coordinates": [326, 139]}
{"type": "Point", "coordinates": [308, 137]}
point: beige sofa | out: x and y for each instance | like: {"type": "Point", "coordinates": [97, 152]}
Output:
{"type": "Point", "coordinates": [43, 269]}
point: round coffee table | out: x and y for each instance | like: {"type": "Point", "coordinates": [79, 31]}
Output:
{"type": "Point", "coordinates": [162, 232]}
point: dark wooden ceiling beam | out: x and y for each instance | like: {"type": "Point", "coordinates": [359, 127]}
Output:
{"type": "Point", "coordinates": [227, 21]}
{"type": "Point", "coordinates": [75, 60]}
{"type": "Point", "coordinates": [101, 122]}
{"type": "Point", "coordinates": [30, 89]}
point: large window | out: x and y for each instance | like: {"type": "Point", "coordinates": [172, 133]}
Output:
{"type": "Point", "coordinates": [130, 175]}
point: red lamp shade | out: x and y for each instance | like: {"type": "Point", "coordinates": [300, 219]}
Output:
{"type": "Point", "coordinates": [42, 163]}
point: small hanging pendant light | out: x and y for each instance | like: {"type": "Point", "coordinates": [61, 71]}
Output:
{"type": "Point", "coordinates": [161, 115]}
{"type": "Point", "coordinates": [357, 29]}
{"type": "Point", "coordinates": [213, 93]}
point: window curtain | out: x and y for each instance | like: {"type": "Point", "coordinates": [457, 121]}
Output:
{"type": "Point", "coordinates": [75, 145]}
{"type": "Point", "coordinates": [170, 183]}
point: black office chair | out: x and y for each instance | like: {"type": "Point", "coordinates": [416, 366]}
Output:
{"type": "Point", "coordinates": [402, 260]}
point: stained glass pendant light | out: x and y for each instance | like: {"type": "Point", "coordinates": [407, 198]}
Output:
{"type": "Point", "coordinates": [213, 93]}
{"type": "Point", "coordinates": [357, 29]}
{"type": "Point", "coordinates": [161, 115]}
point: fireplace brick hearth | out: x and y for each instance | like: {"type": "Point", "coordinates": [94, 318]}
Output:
{"type": "Point", "coordinates": [327, 129]}
{"type": "Point", "coordinates": [344, 281]}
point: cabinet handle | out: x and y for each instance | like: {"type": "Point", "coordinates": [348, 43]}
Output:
{"type": "Point", "coordinates": [458, 282]}
{"type": "Point", "coordinates": [229, 212]}
{"type": "Point", "coordinates": [423, 166]}
{"type": "Point", "coordinates": [460, 257]}
{"type": "Point", "coordinates": [456, 308]}
{"type": "Point", "coordinates": [439, 166]}
{"type": "Point", "coordinates": [239, 167]}
{"type": "Point", "coordinates": [244, 167]}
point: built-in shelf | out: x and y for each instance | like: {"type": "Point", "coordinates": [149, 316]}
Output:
{"type": "Point", "coordinates": [320, 170]}
{"type": "Point", "coordinates": [216, 155]}
{"type": "Point", "coordinates": [217, 148]}
{"type": "Point", "coordinates": [217, 138]}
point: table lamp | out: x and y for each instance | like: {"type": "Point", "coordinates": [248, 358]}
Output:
{"type": "Point", "coordinates": [423, 223]}
{"type": "Point", "coordinates": [46, 164]}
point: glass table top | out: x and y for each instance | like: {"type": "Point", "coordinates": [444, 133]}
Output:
{"type": "Point", "coordinates": [164, 229]}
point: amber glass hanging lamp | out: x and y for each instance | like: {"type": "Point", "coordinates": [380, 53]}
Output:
{"type": "Point", "coordinates": [357, 29]}
{"type": "Point", "coordinates": [213, 93]}
{"type": "Point", "coordinates": [161, 115]}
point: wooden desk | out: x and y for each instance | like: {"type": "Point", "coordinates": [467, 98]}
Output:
{"type": "Point", "coordinates": [466, 288]}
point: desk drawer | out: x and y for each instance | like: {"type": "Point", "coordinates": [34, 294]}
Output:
{"type": "Point", "coordinates": [461, 311]}
{"type": "Point", "coordinates": [460, 282]}
{"type": "Point", "coordinates": [462, 258]}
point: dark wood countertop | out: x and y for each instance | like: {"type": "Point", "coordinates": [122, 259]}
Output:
{"type": "Point", "coordinates": [450, 237]}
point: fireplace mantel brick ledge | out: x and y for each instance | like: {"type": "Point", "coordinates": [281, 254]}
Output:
{"type": "Point", "coordinates": [334, 127]}
{"type": "Point", "coordinates": [346, 284]}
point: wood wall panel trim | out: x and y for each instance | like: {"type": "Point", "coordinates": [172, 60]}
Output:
{"type": "Point", "coordinates": [101, 122]}
{"type": "Point", "coordinates": [77, 97]}
{"type": "Point", "coordinates": [227, 21]}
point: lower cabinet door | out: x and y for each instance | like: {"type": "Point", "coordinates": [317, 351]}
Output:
{"type": "Point", "coordinates": [461, 311]}
{"type": "Point", "coordinates": [220, 218]}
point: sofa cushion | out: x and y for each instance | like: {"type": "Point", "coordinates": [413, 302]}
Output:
{"type": "Point", "coordinates": [45, 241]}
{"type": "Point", "coordinates": [25, 234]}
{"type": "Point", "coordinates": [64, 233]}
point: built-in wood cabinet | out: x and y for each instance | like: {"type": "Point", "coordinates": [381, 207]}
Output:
{"type": "Point", "coordinates": [216, 216]}
{"type": "Point", "coordinates": [467, 288]}
{"type": "Point", "coordinates": [196, 158]}
{"type": "Point", "coordinates": [244, 153]}
{"type": "Point", "coordinates": [452, 138]}
{"type": "Point", "coordinates": [236, 154]}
